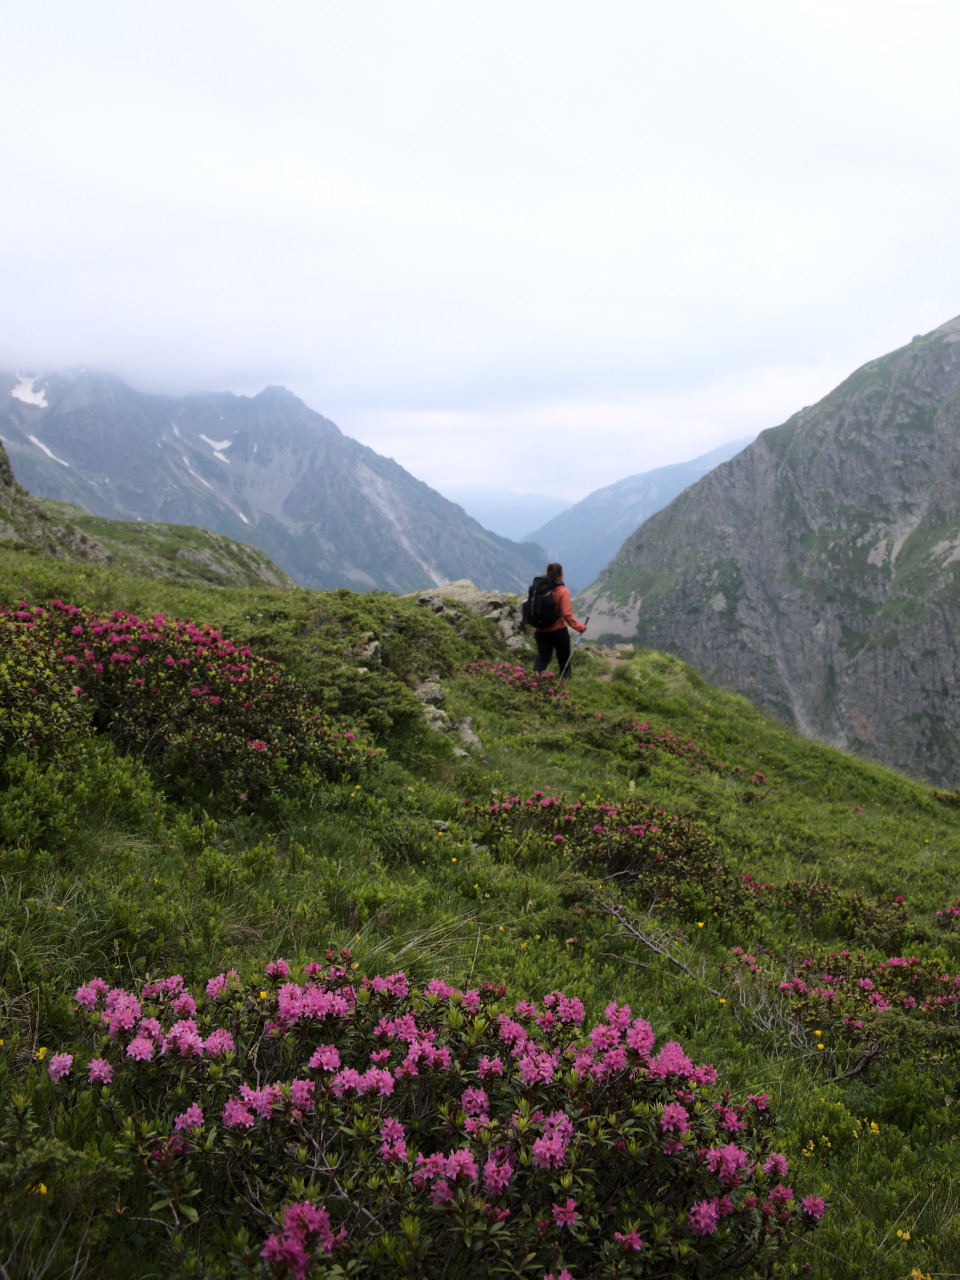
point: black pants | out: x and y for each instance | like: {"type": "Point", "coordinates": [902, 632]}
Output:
{"type": "Point", "coordinates": [550, 643]}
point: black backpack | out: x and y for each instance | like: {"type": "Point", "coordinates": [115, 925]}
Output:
{"type": "Point", "coordinates": [540, 608]}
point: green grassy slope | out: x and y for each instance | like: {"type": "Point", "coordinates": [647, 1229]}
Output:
{"type": "Point", "coordinates": [411, 869]}
{"type": "Point", "coordinates": [179, 552]}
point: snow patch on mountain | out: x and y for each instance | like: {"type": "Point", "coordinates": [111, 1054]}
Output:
{"type": "Point", "coordinates": [48, 452]}
{"type": "Point", "coordinates": [186, 463]}
{"type": "Point", "coordinates": [24, 390]}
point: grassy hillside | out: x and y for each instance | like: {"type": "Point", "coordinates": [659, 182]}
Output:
{"type": "Point", "coordinates": [179, 552]}
{"type": "Point", "coordinates": [780, 909]}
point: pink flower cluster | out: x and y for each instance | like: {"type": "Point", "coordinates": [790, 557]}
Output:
{"type": "Point", "coordinates": [542, 684]}
{"type": "Point", "coordinates": [494, 1134]}
{"type": "Point", "coordinates": [843, 988]}
{"type": "Point", "coordinates": [306, 1227]}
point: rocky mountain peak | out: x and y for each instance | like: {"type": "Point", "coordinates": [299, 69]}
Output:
{"type": "Point", "coordinates": [819, 570]}
{"type": "Point", "coordinates": [266, 470]}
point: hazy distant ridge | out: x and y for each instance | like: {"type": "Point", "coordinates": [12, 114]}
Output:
{"type": "Point", "coordinates": [586, 537]}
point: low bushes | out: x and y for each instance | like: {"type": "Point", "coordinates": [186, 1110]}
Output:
{"type": "Point", "coordinates": [213, 721]}
{"type": "Point", "coordinates": [354, 1126]}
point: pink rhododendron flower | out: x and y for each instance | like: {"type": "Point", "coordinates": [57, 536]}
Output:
{"type": "Point", "coordinates": [151, 1028]}
{"type": "Point", "coordinates": [497, 1175]}
{"type": "Point", "coordinates": [631, 1242]}
{"type": "Point", "coordinates": [185, 1006]}
{"type": "Point", "coordinates": [604, 1037]}
{"type": "Point", "coordinates": [301, 1094]}
{"type": "Point", "coordinates": [288, 1252]}
{"type": "Point", "coordinates": [461, 1164]}
{"type": "Point", "coordinates": [261, 1101]}
{"type": "Point", "coordinates": [192, 1118]}
{"type": "Point", "coordinates": [59, 1066]}
{"type": "Point", "coordinates": [218, 1043]}
{"type": "Point", "coordinates": [141, 1049]}
{"type": "Point", "coordinates": [726, 1161]}
{"type": "Point", "coordinates": [618, 1015]}
{"type": "Point", "coordinates": [88, 995]}
{"type": "Point", "coordinates": [235, 1114]}
{"type": "Point", "coordinates": [640, 1037]}
{"type": "Point", "coordinates": [548, 1153]}
{"type": "Point", "coordinates": [776, 1164]}
{"type": "Point", "coordinates": [325, 1057]}
{"type": "Point", "coordinates": [121, 1012]}
{"type": "Point", "coordinates": [288, 1249]}
{"type": "Point", "coordinates": [183, 1039]}
{"type": "Point", "coordinates": [565, 1215]}
{"type": "Point", "coordinates": [100, 1071]}
{"type": "Point", "coordinates": [475, 1101]}
{"type": "Point", "coordinates": [675, 1118]}
{"type": "Point", "coordinates": [441, 1193]}
{"type": "Point", "coordinates": [671, 1061]}
{"type": "Point", "coordinates": [813, 1207]}
{"type": "Point", "coordinates": [703, 1217]}
{"type": "Point", "coordinates": [222, 982]}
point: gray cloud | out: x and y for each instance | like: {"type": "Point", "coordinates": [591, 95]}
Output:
{"type": "Point", "coordinates": [478, 236]}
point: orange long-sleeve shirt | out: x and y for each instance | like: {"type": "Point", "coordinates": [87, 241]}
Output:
{"type": "Point", "coordinates": [561, 598]}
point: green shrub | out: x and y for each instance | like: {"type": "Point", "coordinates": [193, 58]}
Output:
{"type": "Point", "coordinates": [385, 1132]}
{"type": "Point", "coordinates": [212, 720]}
{"type": "Point", "coordinates": [42, 714]}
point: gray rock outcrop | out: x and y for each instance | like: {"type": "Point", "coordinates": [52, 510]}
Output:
{"type": "Point", "coordinates": [502, 608]}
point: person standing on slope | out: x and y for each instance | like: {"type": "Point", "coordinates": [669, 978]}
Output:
{"type": "Point", "coordinates": [555, 639]}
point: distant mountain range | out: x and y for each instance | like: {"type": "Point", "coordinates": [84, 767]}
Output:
{"type": "Point", "coordinates": [586, 537]}
{"type": "Point", "coordinates": [819, 570]}
{"type": "Point", "coordinates": [179, 553]}
{"type": "Point", "coordinates": [265, 470]}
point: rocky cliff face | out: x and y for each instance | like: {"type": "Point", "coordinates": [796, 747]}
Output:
{"type": "Point", "coordinates": [265, 470]}
{"type": "Point", "coordinates": [817, 572]}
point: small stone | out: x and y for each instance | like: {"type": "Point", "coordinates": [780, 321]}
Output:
{"type": "Point", "coordinates": [430, 692]}
{"type": "Point", "coordinates": [437, 719]}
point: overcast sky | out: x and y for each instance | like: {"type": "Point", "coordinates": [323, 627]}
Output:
{"type": "Point", "coordinates": [528, 245]}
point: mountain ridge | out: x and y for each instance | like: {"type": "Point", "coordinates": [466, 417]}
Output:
{"type": "Point", "coordinates": [180, 553]}
{"type": "Point", "coordinates": [264, 469]}
{"type": "Point", "coordinates": [587, 536]}
{"type": "Point", "coordinates": [817, 571]}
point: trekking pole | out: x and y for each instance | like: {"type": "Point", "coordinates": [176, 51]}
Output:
{"type": "Point", "coordinates": [574, 649]}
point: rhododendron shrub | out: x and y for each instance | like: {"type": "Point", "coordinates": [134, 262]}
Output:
{"type": "Point", "coordinates": [850, 1011]}
{"type": "Point", "coordinates": [41, 714]}
{"type": "Point", "coordinates": [542, 685]}
{"type": "Point", "coordinates": [327, 1124]}
{"type": "Point", "coordinates": [673, 861]}
{"type": "Point", "coordinates": [827, 910]}
{"type": "Point", "coordinates": [645, 745]}
{"type": "Point", "coordinates": [212, 719]}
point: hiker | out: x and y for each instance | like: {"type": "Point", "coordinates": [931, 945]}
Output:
{"type": "Point", "coordinates": [554, 638]}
